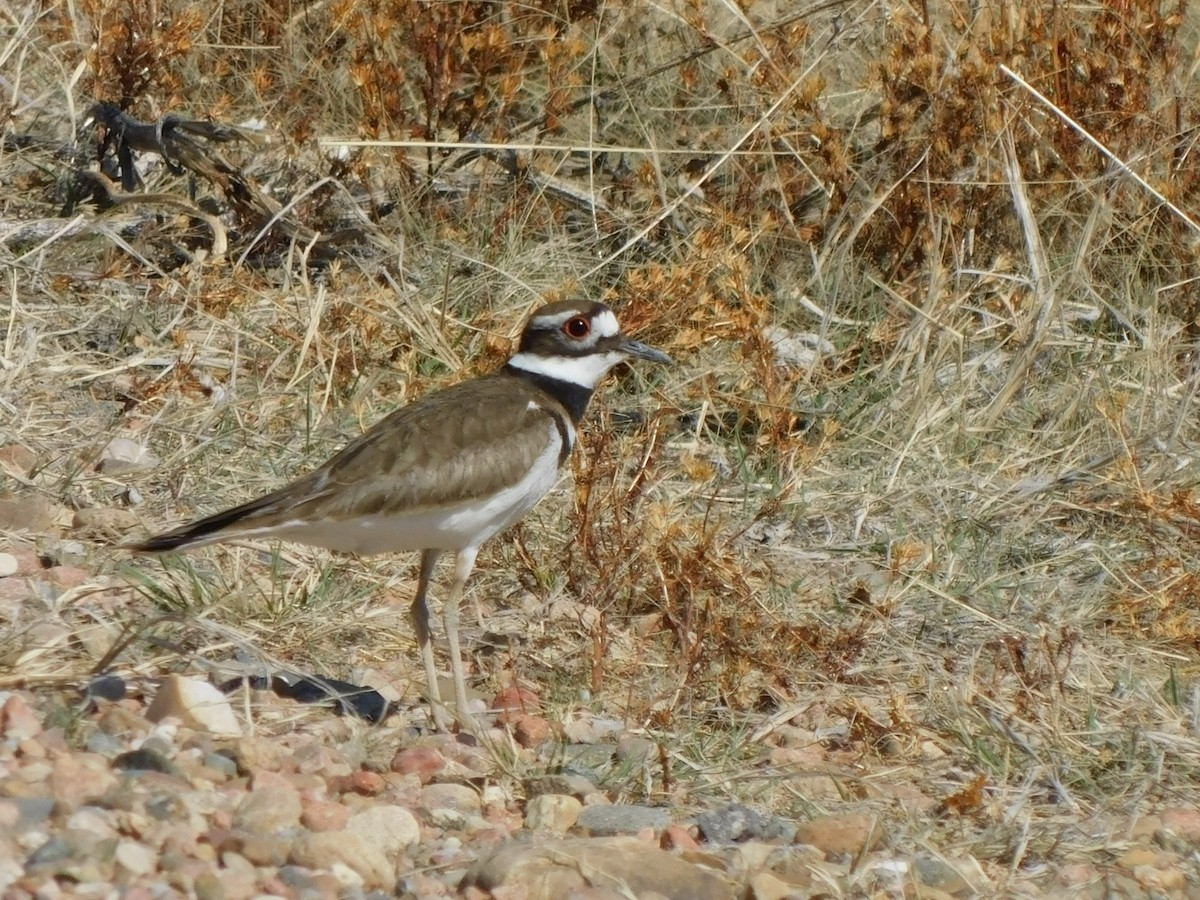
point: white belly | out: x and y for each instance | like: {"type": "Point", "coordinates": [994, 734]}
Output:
{"type": "Point", "coordinates": [465, 524]}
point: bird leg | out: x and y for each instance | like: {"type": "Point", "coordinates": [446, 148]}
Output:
{"type": "Point", "coordinates": [464, 561]}
{"type": "Point", "coordinates": [420, 621]}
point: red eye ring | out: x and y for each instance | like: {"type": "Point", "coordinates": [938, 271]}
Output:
{"type": "Point", "coordinates": [577, 327]}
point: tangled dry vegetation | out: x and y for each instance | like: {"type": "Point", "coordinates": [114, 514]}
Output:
{"type": "Point", "coordinates": [923, 481]}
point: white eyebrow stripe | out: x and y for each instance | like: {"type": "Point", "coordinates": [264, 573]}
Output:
{"type": "Point", "coordinates": [606, 325]}
{"type": "Point", "coordinates": [551, 322]}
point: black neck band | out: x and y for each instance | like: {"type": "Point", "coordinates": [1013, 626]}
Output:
{"type": "Point", "coordinates": [573, 396]}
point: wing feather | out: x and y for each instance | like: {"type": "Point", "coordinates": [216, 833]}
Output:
{"type": "Point", "coordinates": [467, 441]}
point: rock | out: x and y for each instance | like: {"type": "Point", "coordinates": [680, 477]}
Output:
{"type": "Point", "coordinates": [257, 849]}
{"type": "Point", "coordinates": [424, 762]}
{"type": "Point", "coordinates": [943, 876]}
{"type": "Point", "coordinates": [17, 460]}
{"type": "Point", "coordinates": [588, 730]}
{"type": "Point", "coordinates": [268, 810]}
{"type": "Point", "coordinates": [556, 813]}
{"type": "Point", "coordinates": [389, 828]}
{"type": "Point", "coordinates": [1167, 882]}
{"type": "Point", "coordinates": [124, 455]}
{"type": "Point", "coordinates": [17, 721]}
{"type": "Point", "coordinates": [74, 855]}
{"type": "Point", "coordinates": [65, 555]}
{"type": "Point", "coordinates": [795, 864]}
{"type": "Point", "coordinates": [456, 797]}
{"type": "Point", "coordinates": [573, 785]}
{"type": "Point", "coordinates": [8, 565]}
{"type": "Point", "coordinates": [1184, 822]}
{"type": "Point", "coordinates": [106, 687]}
{"type": "Point", "coordinates": [635, 750]}
{"type": "Point", "coordinates": [197, 704]}
{"type": "Point", "coordinates": [731, 823]}
{"type": "Point", "coordinates": [136, 858]}
{"type": "Point", "coordinates": [677, 837]}
{"type": "Point", "coordinates": [601, 821]}
{"type": "Point", "coordinates": [80, 778]}
{"type": "Point", "coordinates": [324, 815]}
{"type": "Point", "coordinates": [1078, 874]}
{"type": "Point", "coordinates": [24, 813]}
{"type": "Point", "coordinates": [331, 849]}
{"type": "Point", "coordinates": [27, 512]}
{"type": "Point", "coordinates": [99, 823]}
{"type": "Point", "coordinates": [28, 561]}
{"type": "Point", "coordinates": [531, 731]}
{"type": "Point", "coordinates": [841, 835]}
{"type": "Point", "coordinates": [767, 886]}
{"type": "Point", "coordinates": [102, 522]}
{"type": "Point", "coordinates": [452, 806]}
{"type": "Point", "coordinates": [1143, 856]}
{"type": "Point", "coordinates": [144, 759]}
{"type": "Point", "coordinates": [361, 782]}
{"type": "Point", "coordinates": [559, 868]}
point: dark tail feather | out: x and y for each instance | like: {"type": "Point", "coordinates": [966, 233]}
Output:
{"type": "Point", "coordinates": [208, 530]}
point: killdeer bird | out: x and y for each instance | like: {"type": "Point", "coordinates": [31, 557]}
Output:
{"type": "Point", "coordinates": [446, 472]}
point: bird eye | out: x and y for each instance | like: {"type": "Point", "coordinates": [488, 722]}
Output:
{"type": "Point", "coordinates": [577, 328]}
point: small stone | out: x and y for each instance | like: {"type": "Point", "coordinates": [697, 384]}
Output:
{"type": "Point", "coordinates": [122, 454]}
{"type": "Point", "coordinates": [144, 759]}
{"type": "Point", "coordinates": [589, 730]}
{"type": "Point", "coordinates": [197, 704]}
{"type": "Point", "coordinates": [267, 810]}
{"type": "Point", "coordinates": [99, 823]}
{"type": "Point", "coordinates": [17, 460]}
{"type": "Point", "coordinates": [324, 815]}
{"type": "Point", "coordinates": [841, 835]}
{"type": "Point", "coordinates": [106, 687]}
{"type": "Point", "coordinates": [121, 722]}
{"type": "Point", "coordinates": [603, 821]}
{"type": "Point", "coordinates": [265, 849]}
{"type": "Point", "coordinates": [635, 750]}
{"type": "Point", "coordinates": [365, 784]}
{"type": "Point", "coordinates": [136, 858]}
{"type": "Point", "coordinates": [329, 849]}
{"type": "Point", "coordinates": [731, 823]}
{"type": "Point", "coordinates": [1162, 880]}
{"type": "Point", "coordinates": [104, 522]}
{"type": "Point", "coordinates": [8, 565]}
{"type": "Point", "coordinates": [574, 785]}
{"type": "Point", "coordinates": [1077, 874]}
{"type": "Point", "coordinates": [254, 754]}
{"type": "Point", "coordinates": [65, 577]}
{"type": "Point", "coordinates": [531, 731]}
{"type": "Point", "coordinates": [1183, 822]}
{"type": "Point", "coordinates": [556, 813]}
{"type": "Point", "coordinates": [80, 778]}
{"type": "Point", "coordinates": [29, 512]}
{"type": "Point", "coordinates": [568, 867]}
{"type": "Point", "coordinates": [391, 829]}
{"type": "Point", "coordinates": [17, 720]}
{"type": "Point", "coordinates": [677, 837]}
{"type": "Point", "coordinates": [767, 886]}
{"type": "Point", "coordinates": [456, 797]}
{"type": "Point", "coordinates": [1139, 856]}
{"type": "Point", "coordinates": [424, 762]}
{"type": "Point", "coordinates": [940, 875]}
{"type": "Point", "coordinates": [29, 562]}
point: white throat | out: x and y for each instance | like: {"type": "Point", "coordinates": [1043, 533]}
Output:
{"type": "Point", "coordinates": [585, 371]}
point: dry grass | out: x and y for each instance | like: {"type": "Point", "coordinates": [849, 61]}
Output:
{"type": "Point", "coordinates": [945, 522]}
